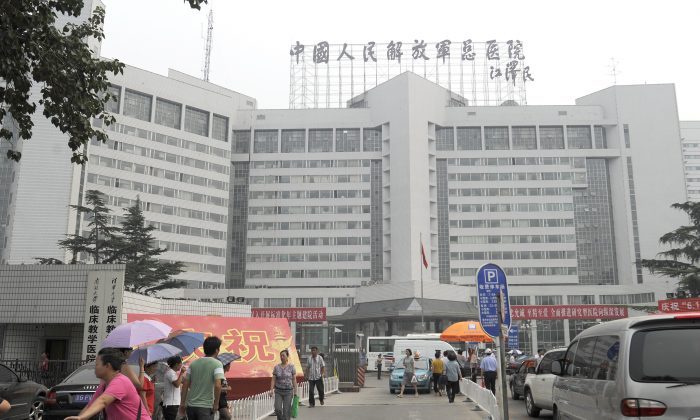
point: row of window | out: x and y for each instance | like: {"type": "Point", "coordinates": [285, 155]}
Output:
{"type": "Point", "coordinates": [513, 239]}
{"type": "Point", "coordinates": [514, 207]}
{"type": "Point", "coordinates": [308, 210]}
{"type": "Point", "coordinates": [514, 255]}
{"type": "Point", "coordinates": [523, 138]}
{"type": "Point", "coordinates": [553, 300]}
{"type": "Point", "coordinates": [297, 164]}
{"type": "Point", "coordinates": [192, 249]}
{"type": "Point", "coordinates": [576, 162]}
{"type": "Point", "coordinates": [169, 140]}
{"type": "Point", "coordinates": [168, 113]}
{"type": "Point", "coordinates": [165, 156]}
{"type": "Point", "coordinates": [168, 210]}
{"type": "Point", "coordinates": [341, 256]}
{"type": "Point", "coordinates": [308, 274]}
{"type": "Point", "coordinates": [172, 228]}
{"type": "Point", "coordinates": [156, 189]}
{"type": "Point", "coordinates": [277, 195]}
{"type": "Point", "coordinates": [308, 179]}
{"type": "Point", "coordinates": [578, 177]}
{"type": "Point", "coordinates": [520, 271]}
{"type": "Point", "coordinates": [339, 225]}
{"type": "Point", "coordinates": [324, 241]}
{"type": "Point", "coordinates": [627, 299]}
{"type": "Point", "coordinates": [508, 192]}
{"type": "Point", "coordinates": [158, 172]}
{"type": "Point", "coordinates": [333, 302]}
{"type": "Point", "coordinates": [511, 223]}
{"type": "Point", "coordinates": [204, 268]}
{"type": "Point", "coordinates": [319, 141]}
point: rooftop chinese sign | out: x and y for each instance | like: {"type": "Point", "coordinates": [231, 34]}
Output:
{"type": "Point", "coordinates": [325, 75]}
{"type": "Point", "coordinates": [292, 314]}
{"type": "Point", "coordinates": [568, 312]}
{"type": "Point", "coordinates": [679, 305]}
{"type": "Point", "coordinates": [103, 309]}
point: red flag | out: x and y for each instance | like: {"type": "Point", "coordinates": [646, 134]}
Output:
{"type": "Point", "coordinates": [422, 254]}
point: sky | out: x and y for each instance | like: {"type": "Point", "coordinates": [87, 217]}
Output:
{"type": "Point", "coordinates": [570, 46]}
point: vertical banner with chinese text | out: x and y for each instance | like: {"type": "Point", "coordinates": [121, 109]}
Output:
{"type": "Point", "coordinates": [103, 309]}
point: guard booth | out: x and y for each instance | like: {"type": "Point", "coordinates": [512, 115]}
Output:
{"type": "Point", "coordinates": [347, 361]}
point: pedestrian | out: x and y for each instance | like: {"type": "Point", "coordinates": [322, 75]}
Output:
{"type": "Point", "coordinates": [224, 411]}
{"type": "Point", "coordinates": [202, 387]}
{"type": "Point", "coordinates": [409, 373]}
{"type": "Point", "coordinates": [171, 388]}
{"type": "Point", "coordinates": [438, 372]}
{"type": "Point", "coordinates": [283, 386]}
{"type": "Point", "coordinates": [463, 364]}
{"type": "Point", "coordinates": [454, 375]}
{"type": "Point", "coordinates": [540, 355]}
{"type": "Point", "coordinates": [149, 390]}
{"type": "Point", "coordinates": [488, 369]}
{"type": "Point", "coordinates": [473, 363]}
{"type": "Point", "coordinates": [315, 371]}
{"type": "Point", "coordinates": [4, 406]}
{"type": "Point", "coordinates": [379, 366]}
{"type": "Point", "coordinates": [126, 370]}
{"type": "Point", "coordinates": [116, 394]}
{"type": "Point", "coordinates": [44, 365]}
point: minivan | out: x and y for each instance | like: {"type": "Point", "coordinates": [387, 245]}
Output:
{"type": "Point", "coordinates": [637, 367]}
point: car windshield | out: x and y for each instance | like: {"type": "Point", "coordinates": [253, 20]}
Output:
{"type": "Point", "coordinates": [419, 364]}
{"type": "Point", "coordinates": [665, 355]}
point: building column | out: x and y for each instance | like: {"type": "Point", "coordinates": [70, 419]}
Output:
{"type": "Point", "coordinates": [533, 335]}
{"type": "Point", "coordinates": [567, 339]}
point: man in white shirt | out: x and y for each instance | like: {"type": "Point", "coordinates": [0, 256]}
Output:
{"type": "Point", "coordinates": [315, 371]}
{"type": "Point", "coordinates": [540, 354]}
{"type": "Point", "coordinates": [171, 388]}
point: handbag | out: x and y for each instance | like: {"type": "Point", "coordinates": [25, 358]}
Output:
{"type": "Point", "coordinates": [442, 380]}
{"type": "Point", "coordinates": [295, 407]}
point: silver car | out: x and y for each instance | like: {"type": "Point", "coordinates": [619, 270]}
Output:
{"type": "Point", "coordinates": [635, 367]}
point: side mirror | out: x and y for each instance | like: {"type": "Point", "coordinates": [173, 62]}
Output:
{"type": "Point", "coordinates": [556, 368]}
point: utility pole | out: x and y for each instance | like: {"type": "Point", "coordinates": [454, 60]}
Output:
{"type": "Point", "coordinates": [502, 337]}
{"type": "Point", "coordinates": [207, 48]}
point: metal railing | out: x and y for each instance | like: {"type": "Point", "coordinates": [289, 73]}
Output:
{"type": "Point", "coordinates": [482, 397]}
{"type": "Point", "coordinates": [56, 371]}
{"type": "Point", "coordinates": [259, 406]}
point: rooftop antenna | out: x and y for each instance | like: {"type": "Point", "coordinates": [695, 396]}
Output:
{"type": "Point", "coordinates": [207, 49]}
{"type": "Point", "coordinates": [613, 69]}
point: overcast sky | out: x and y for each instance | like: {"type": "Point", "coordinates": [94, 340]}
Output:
{"type": "Point", "coordinates": [568, 45]}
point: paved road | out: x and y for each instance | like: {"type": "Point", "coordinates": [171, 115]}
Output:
{"type": "Point", "coordinates": [516, 410]}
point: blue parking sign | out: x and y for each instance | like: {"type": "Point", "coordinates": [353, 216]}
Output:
{"type": "Point", "coordinates": [514, 337]}
{"type": "Point", "coordinates": [490, 283]}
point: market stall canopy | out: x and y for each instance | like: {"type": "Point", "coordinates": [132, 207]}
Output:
{"type": "Point", "coordinates": [468, 331]}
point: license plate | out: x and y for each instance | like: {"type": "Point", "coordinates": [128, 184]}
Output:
{"type": "Point", "coordinates": [82, 398]}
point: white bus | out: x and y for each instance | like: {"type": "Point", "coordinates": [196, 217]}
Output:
{"type": "Point", "coordinates": [385, 346]}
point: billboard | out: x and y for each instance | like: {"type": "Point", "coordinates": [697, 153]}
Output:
{"type": "Point", "coordinates": [569, 312]}
{"type": "Point", "coordinates": [679, 305]}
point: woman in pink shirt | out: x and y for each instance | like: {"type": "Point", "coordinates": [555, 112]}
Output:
{"type": "Point", "coordinates": [116, 395]}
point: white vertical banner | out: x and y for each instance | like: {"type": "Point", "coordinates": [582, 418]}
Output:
{"type": "Point", "coordinates": [103, 309]}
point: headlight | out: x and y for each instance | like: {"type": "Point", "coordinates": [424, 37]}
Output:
{"type": "Point", "coordinates": [395, 377]}
{"type": "Point", "coordinates": [422, 377]}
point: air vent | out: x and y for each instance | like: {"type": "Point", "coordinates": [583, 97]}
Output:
{"type": "Point", "coordinates": [562, 113]}
{"type": "Point", "coordinates": [260, 117]}
{"type": "Point", "coordinates": [471, 113]}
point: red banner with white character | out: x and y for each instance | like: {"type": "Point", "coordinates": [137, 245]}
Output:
{"type": "Point", "coordinates": [292, 314]}
{"type": "Point", "coordinates": [568, 312]}
{"type": "Point", "coordinates": [679, 305]}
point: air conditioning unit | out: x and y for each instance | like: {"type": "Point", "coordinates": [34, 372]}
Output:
{"type": "Point", "coordinates": [240, 299]}
{"type": "Point", "coordinates": [231, 299]}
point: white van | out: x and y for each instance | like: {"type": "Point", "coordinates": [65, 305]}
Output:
{"type": "Point", "coordinates": [426, 348]}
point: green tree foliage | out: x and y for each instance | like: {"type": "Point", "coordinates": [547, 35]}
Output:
{"type": "Point", "coordinates": [99, 244]}
{"type": "Point", "coordinates": [681, 261]}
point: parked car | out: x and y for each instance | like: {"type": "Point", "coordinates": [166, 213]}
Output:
{"type": "Point", "coordinates": [72, 395]}
{"type": "Point", "coordinates": [538, 383]}
{"type": "Point", "coordinates": [633, 367]}
{"type": "Point", "coordinates": [512, 366]}
{"type": "Point", "coordinates": [26, 397]}
{"type": "Point", "coordinates": [424, 375]}
{"type": "Point", "coordinates": [517, 379]}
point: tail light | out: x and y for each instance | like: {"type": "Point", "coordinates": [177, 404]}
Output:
{"type": "Point", "coordinates": [51, 398]}
{"type": "Point", "coordinates": [634, 407]}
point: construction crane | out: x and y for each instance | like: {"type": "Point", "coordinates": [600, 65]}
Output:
{"type": "Point", "coordinates": [207, 49]}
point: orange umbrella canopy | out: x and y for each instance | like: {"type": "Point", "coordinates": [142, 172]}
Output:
{"type": "Point", "coordinates": [469, 331]}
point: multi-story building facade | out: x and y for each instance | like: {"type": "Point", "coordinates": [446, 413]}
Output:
{"type": "Point", "coordinates": [690, 143]}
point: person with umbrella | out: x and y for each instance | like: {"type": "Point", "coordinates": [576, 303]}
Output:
{"type": "Point", "coordinates": [226, 359]}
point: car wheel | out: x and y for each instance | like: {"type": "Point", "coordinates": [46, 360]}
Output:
{"type": "Point", "coordinates": [36, 410]}
{"type": "Point", "coordinates": [532, 411]}
{"type": "Point", "coordinates": [391, 390]}
{"type": "Point", "coordinates": [555, 413]}
{"type": "Point", "coordinates": [515, 395]}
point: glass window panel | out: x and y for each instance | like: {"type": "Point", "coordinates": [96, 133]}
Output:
{"type": "Point", "coordinates": [137, 105]}
{"type": "Point", "coordinates": [168, 113]}
{"type": "Point", "coordinates": [579, 136]}
{"type": "Point", "coordinates": [468, 138]}
{"type": "Point", "coordinates": [524, 138]}
{"type": "Point", "coordinates": [265, 141]}
{"type": "Point", "coordinates": [496, 138]}
{"type": "Point", "coordinates": [293, 141]}
{"type": "Point", "coordinates": [445, 138]}
{"type": "Point", "coordinates": [552, 137]}
{"type": "Point", "coordinates": [321, 140]}
{"type": "Point", "coordinates": [372, 139]}
{"type": "Point", "coordinates": [241, 141]}
{"type": "Point", "coordinates": [219, 128]}
{"type": "Point", "coordinates": [196, 121]}
{"type": "Point", "coordinates": [113, 104]}
{"type": "Point", "coordinates": [347, 140]}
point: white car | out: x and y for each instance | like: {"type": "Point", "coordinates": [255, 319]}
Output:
{"type": "Point", "coordinates": [539, 383]}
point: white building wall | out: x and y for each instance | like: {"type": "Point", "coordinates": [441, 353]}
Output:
{"type": "Point", "coordinates": [690, 143]}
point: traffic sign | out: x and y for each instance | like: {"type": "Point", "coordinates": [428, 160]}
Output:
{"type": "Point", "coordinates": [514, 338]}
{"type": "Point", "coordinates": [492, 290]}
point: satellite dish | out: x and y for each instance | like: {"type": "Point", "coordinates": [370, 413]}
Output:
{"type": "Point", "coordinates": [510, 102]}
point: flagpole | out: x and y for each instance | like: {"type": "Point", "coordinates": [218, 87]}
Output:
{"type": "Point", "coordinates": [422, 312]}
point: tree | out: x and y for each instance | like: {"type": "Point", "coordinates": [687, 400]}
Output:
{"type": "Point", "coordinates": [99, 244]}
{"type": "Point", "coordinates": [681, 262]}
{"type": "Point", "coordinates": [134, 247]}
{"type": "Point", "coordinates": [48, 261]}
{"type": "Point", "coordinates": [73, 81]}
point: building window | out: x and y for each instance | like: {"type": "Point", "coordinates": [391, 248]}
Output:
{"type": "Point", "coordinates": [548, 300]}
{"type": "Point", "coordinates": [552, 137]}
{"type": "Point", "coordinates": [137, 105]}
{"type": "Point", "coordinates": [168, 113]}
{"type": "Point", "coordinates": [196, 121]}
{"type": "Point", "coordinates": [580, 300]}
{"type": "Point", "coordinates": [265, 141]}
{"type": "Point", "coordinates": [241, 141]}
{"type": "Point", "coordinates": [496, 138]}
{"type": "Point", "coordinates": [278, 302]}
{"type": "Point", "coordinates": [340, 302]}
{"type": "Point", "coordinates": [320, 141]}
{"type": "Point", "coordinates": [347, 140]}
{"type": "Point", "coordinates": [372, 139]}
{"type": "Point", "coordinates": [550, 333]}
{"type": "Point", "coordinates": [524, 138]}
{"type": "Point", "coordinates": [293, 141]}
{"type": "Point", "coordinates": [469, 138]}
{"type": "Point", "coordinates": [613, 299]}
{"type": "Point", "coordinates": [626, 130]}
{"type": "Point", "coordinates": [445, 138]}
{"type": "Point", "coordinates": [219, 128]}
{"type": "Point", "coordinates": [113, 104]}
{"type": "Point", "coordinates": [579, 136]}
{"type": "Point", "coordinates": [253, 302]}
{"type": "Point", "coordinates": [601, 141]}
{"type": "Point", "coordinates": [519, 300]}
{"type": "Point", "coordinates": [309, 302]}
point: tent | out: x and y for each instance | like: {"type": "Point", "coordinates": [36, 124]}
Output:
{"type": "Point", "coordinates": [469, 331]}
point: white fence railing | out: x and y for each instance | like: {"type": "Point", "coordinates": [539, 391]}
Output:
{"type": "Point", "coordinates": [481, 396]}
{"type": "Point", "coordinates": [259, 406]}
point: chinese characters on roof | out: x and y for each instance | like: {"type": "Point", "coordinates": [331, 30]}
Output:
{"type": "Point", "coordinates": [482, 73]}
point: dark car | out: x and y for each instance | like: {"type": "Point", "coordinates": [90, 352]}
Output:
{"type": "Point", "coordinates": [512, 366]}
{"type": "Point", "coordinates": [517, 379]}
{"type": "Point", "coordinates": [72, 395]}
{"type": "Point", "coordinates": [26, 397]}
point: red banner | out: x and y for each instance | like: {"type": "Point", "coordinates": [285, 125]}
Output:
{"type": "Point", "coordinates": [679, 305]}
{"type": "Point", "coordinates": [568, 312]}
{"type": "Point", "coordinates": [292, 314]}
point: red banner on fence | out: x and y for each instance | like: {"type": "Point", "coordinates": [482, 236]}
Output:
{"type": "Point", "coordinates": [292, 314]}
{"type": "Point", "coordinates": [679, 305]}
{"type": "Point", "coordinates": [568, 312]}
